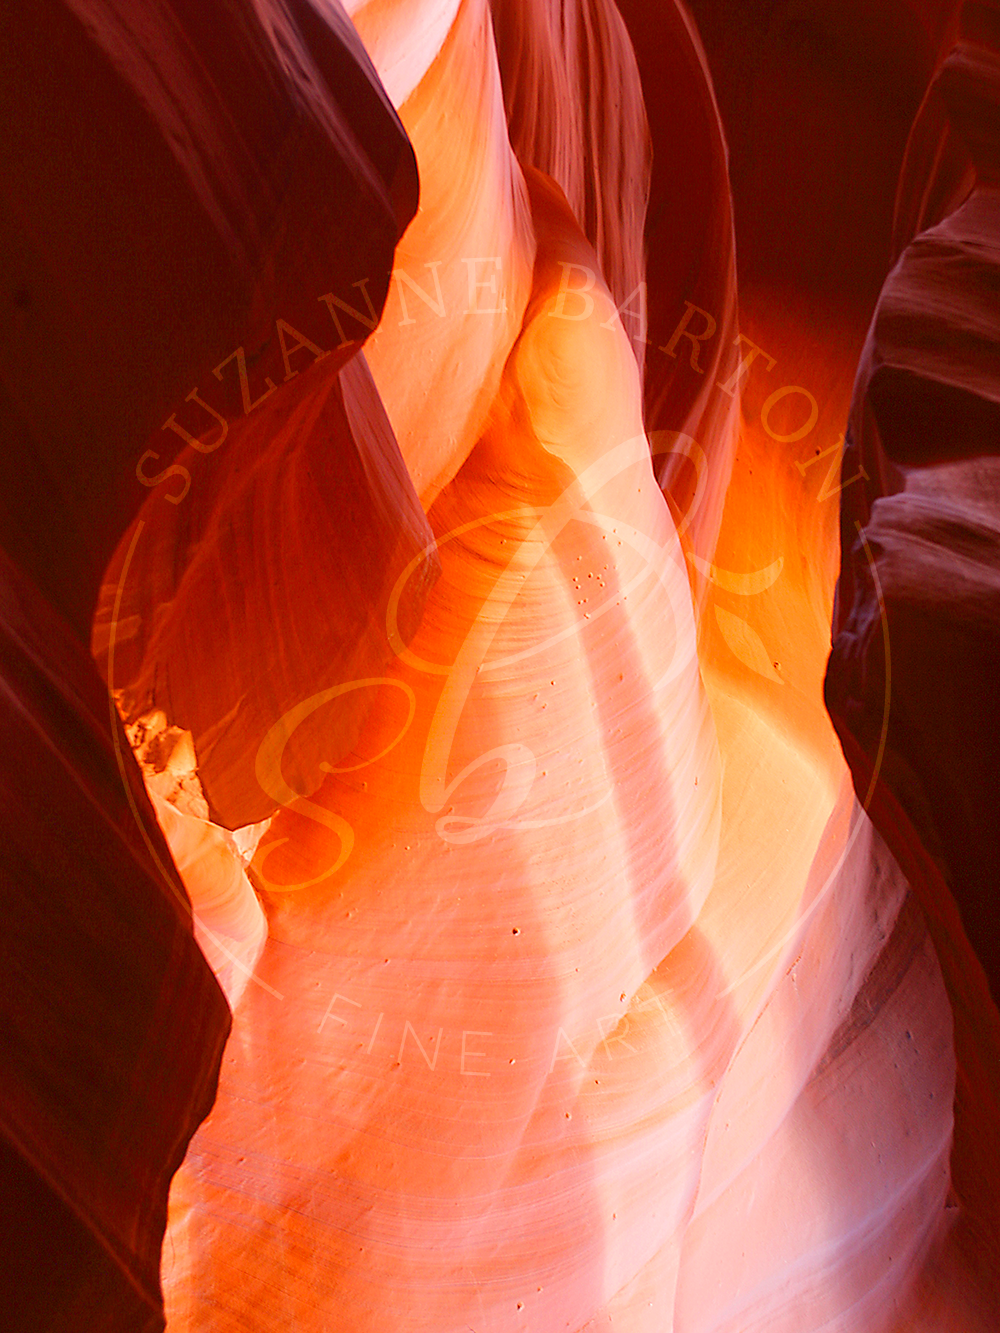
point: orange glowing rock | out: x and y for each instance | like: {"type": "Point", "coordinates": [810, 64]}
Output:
{"type": "Point", "coordinates": [477, 680]}
{"type": "Point", "coordinates": [490, 941]}
{"type": "Point", "coordinates": [171, 172]}
{"type": "Point", "coordinates": [590, 996]}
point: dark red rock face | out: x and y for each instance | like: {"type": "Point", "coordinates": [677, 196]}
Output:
{"type": "Point", "coordinates": [911, 683]}
{"type": "Point", "coordinates": [175, 178]}
{"type": "Point", "coordinates": [580, 974]}
{"type": "Point", "coordinates": [112, 1025]}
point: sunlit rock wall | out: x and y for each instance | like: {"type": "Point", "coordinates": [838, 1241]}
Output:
{"type": "Point", "coordinates": [590, 997]}
{"type": "Point", "coordinates": [477, 678]}
{"type": "Point", "coordinates": [166, 172]}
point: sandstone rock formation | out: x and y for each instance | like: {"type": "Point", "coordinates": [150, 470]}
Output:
{"type": "Point", "coordinates": [170, 174]}
{"type": "Point", "coordinates": [577, 981]}
{"type": "Point", "coordinates": [911, 681]}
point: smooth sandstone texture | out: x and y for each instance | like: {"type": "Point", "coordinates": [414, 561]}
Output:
{"type": "Point", "coordinates": [499, 909]}
{"type": "Point", "coordinates": [590, 997]}
{"type": "Point", "coordinates": [911, 680]}
{"type": "Point", "coordinates": [573, 987]}
{"type": "Point", "coordinates": [175, 178]}
{"type": "Point", "coordinates": [112, 1025]}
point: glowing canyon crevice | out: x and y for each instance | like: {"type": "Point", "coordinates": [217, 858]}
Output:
{"type": "Point", "coordinates": [535, 870]}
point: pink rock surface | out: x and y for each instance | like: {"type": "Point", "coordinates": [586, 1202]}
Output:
{"type": "Point", "coordinates": [477, 682]}
{"type": "Point", "coordinates": [169, 175]}
{"type": "Point", "coordinates": [546, 1037]}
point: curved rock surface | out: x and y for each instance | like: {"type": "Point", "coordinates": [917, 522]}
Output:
{"type": "Point", "coordinates": [175, 178]}
{"type": "Point", "coordinates": [911, 678]}
{"type": "Point", "coordinates": [477, 682]}
{"type": "Point", "coordinates": [545, 1034]}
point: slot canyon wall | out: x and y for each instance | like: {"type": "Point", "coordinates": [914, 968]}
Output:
{"type": "Point", "coordinates": [499, 632]}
